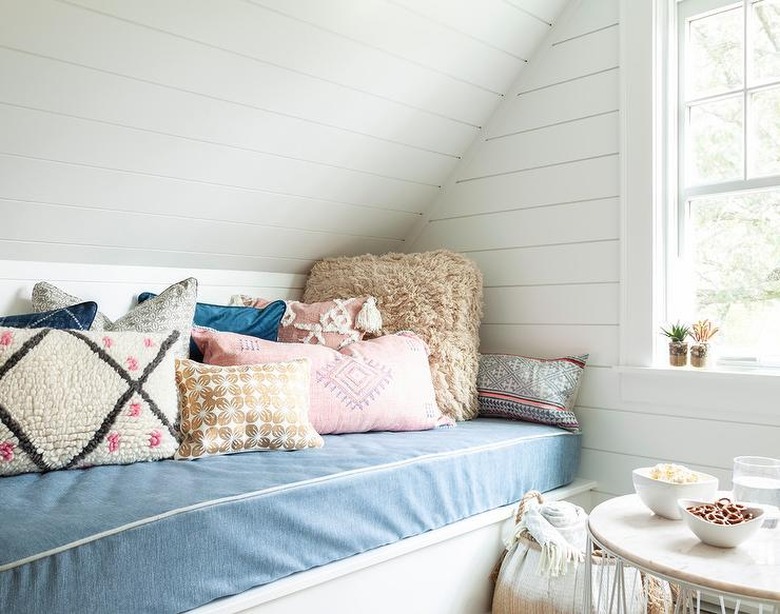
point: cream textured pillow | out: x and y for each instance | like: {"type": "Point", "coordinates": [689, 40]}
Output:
{"type": "Point", "coordinates": [172, 309]}
{"type": "Point", "coordinates": [437, 295]}
{"type": "Point", "coordinates": [72, 399]}
{"type": "Point", "coordinates": [242, 408]}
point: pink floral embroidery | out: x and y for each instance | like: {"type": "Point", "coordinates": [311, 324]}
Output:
{"type": "Point", "coordinates": [132, 363]}
{"type": "Point", "coordinates": [135, 409]}
{"type": "Point", "coordinates": [7, 338]}
{"type": "Point", "coordinates": [113, 442]}
{"type": "Point", "coordinates": [149, 342]}
{"type": "Point", "coordinates": [7, 451]}
{"type": "Point", "coordinates": [108, 342]}
{"type": "Point", "coordinates": [155, 438]}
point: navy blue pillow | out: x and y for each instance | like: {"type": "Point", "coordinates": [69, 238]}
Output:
{"type": "Point", "coordinates": [263, 323]}
{"type": "Point", "coordinates": [78, 316]}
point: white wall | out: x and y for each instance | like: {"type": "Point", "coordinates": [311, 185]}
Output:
{"type": "Point", "coordinates": [257, 134]}
{"type": "Point", "coordinates": [536, 203]}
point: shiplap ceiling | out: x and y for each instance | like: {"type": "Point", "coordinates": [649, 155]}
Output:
{"type": "Point", "coordinates": [242, 134]}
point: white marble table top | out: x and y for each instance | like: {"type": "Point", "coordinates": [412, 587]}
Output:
{"type": "Point", "coordinates": [626, 528]}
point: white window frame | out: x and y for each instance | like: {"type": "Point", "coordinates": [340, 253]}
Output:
{"type": "Point", "coordinates": [644, 228]}
{"type": "Point", "coordinates": [676, 232]}
{"type": "Point", "coordinates": [643, 174]}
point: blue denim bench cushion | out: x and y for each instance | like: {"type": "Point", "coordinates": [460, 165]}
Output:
{"type": "Point", "coordinates": [170, 535]}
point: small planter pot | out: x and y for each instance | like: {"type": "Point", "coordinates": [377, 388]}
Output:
{"type": "Point", "coordinates": [700, 355]}
{"type": "Point", "coordinates": [678, 353]}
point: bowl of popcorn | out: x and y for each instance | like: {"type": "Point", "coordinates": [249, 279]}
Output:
{"type": "Point", "coordinates": [721, 523]}
{"type": "Point", "coordinates": [660, 487]}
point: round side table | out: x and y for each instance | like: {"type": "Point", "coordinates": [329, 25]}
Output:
{"type": "Point", "coordinates": [626, 531]}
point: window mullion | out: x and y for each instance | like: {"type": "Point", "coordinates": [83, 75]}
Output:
{"type": "Point", "coordinates": [767, 85]}
{"type": "Point", "coordinates": [689, 8]}
{"type": "Point", "coordinates": [730, 187]}
{"type": "Point", "coordinates": [675, 254]}
{"type": "Point", "coordinates": [745, 45]}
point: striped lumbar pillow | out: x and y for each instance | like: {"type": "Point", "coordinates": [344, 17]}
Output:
{"type": "Point", "coordinates": [534, 389]}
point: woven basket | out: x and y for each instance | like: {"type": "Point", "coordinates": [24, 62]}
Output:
{"type": "Point", "coordinates": [520, 589]}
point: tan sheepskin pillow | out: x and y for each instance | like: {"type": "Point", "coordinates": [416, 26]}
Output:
{"type": "Point", "coordinates": [437, 295]}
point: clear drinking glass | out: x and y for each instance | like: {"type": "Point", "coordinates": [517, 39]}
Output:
{"type": "Point", "coordinates": [757, 479]}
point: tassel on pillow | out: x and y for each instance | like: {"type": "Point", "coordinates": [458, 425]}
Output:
{"type": "Point", "coordinates": [369, 319]}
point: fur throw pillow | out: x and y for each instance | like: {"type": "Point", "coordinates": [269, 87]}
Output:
{"type": "Point", "coordinates": [437, 295]}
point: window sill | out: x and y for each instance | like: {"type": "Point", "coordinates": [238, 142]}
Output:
{"type": "Point", "coordinates": [723, 394]}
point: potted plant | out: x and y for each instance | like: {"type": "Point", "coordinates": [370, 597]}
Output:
{"type": "Point", "coordinates": [701, 332]}
{"type": "Point", "coordinates": [678, 347]}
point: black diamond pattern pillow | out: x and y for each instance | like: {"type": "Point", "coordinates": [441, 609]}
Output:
{"type": "Point", "coordinates": [532, 389]}
{"type": "Point", "coordinates": [72, 399]}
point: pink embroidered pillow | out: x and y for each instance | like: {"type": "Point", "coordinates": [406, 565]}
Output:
{"type": "Point", "coordinates": [381, 384]}
{"type": "Point", "coordinates": [334, 324]}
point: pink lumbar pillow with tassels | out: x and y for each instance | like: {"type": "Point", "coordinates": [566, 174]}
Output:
{"type": "Point", "coordinates": [334, 324]}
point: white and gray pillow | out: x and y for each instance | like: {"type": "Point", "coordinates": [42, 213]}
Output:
{"type": "Point", "coordinates": [172, 309]}
{"type": "Point", "coordinates": [71, 399]}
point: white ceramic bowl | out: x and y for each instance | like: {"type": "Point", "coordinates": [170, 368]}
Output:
{"type": "Point", "coordinates": [661, 497]}
{"type": "Point", "coordinates": [720, 535]}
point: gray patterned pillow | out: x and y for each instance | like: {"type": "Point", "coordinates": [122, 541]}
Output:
{"type": "Point", "coordinates": [172, 309]}
{"type": "Point", "coordinates": [540, 390]}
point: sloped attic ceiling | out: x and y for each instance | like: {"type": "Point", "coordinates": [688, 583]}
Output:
{"type": "Point", "coordinates": [242, 134]}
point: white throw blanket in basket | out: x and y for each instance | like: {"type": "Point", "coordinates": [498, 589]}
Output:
{"type": "Point", "coordinates": [543, 570]}
{"type": "Point", "coordinates": [559, 529]}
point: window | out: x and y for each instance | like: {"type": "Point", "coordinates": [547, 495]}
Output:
{"type": "Point", "coordinates": [723, 201]}
{"type": "Point", "coordinates": [646, 381]}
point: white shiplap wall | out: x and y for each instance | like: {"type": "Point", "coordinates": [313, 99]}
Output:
{"type": "Point", "coordinates": [241, 134]}
{"type": "Point", "coordinates": [536, 203]}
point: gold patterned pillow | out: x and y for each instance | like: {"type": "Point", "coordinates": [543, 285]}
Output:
{"type": "Point", "coordinates": [241, 408]}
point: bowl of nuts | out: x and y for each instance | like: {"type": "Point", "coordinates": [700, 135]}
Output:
{"type": "Point", "coordinates": [721, 523]}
